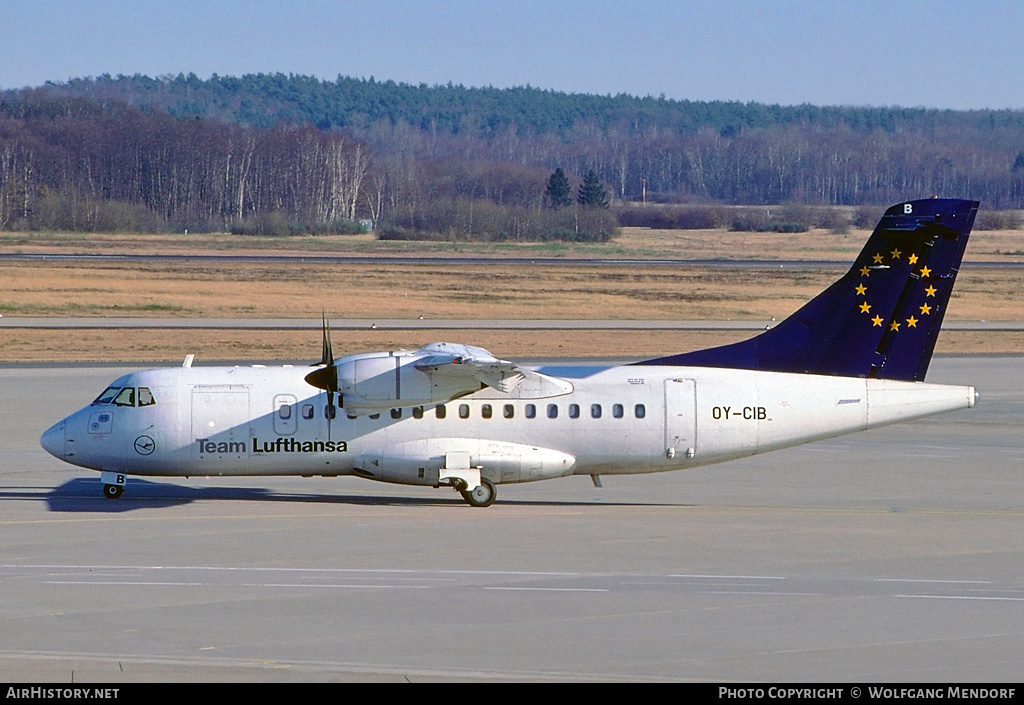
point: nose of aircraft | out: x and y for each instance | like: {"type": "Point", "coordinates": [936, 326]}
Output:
{"type": "Point", "coordinates": [52, 440]}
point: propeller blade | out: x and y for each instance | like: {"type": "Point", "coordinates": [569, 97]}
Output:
{"type": "Point", "coordinates": [327, 356]}
{"type": "Point", "coordinates": [326, 376]}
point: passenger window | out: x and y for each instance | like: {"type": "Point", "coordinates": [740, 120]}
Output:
{"type": "Point", "coordinates": [641, 411]}
{"type": "Point", "coordinates": [552, 411]}
{"type": "Point", "coordinates": [509, 411]}
{"type": "Point", "coordinates": [417, 412]}
{"type": "Point", "coordinates": [440, 411]}
{"type": "Point", "coordinates": [146, 397]}
{"type": "Point", "coordinates": [595, 411]}
{"type": "Point", "coordinates": [463, 411]}
{"type": "Point", "coordinates": [285, 411]}
{"type": "Point", "coordinates": [330, 411]}
{"type": "Point", "coordinates": [617, 411]}
{"type": "Point", "coordinates": [396, 413]}
{"type": "Point", "coordinates": [530, 411]}
{"type": "Point", "coordinates": [126, 397]}
{"type": "Point", "coordinates": [574, 411]}
{"type": "Point", "coordinates": [307, 411]}
{"type": "Point", "coordinates": [486, 411]}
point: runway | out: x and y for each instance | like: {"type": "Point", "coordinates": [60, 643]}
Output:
{"type": "Point", "coordinates": [891, 555]}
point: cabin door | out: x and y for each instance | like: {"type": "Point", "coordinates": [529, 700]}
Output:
{"type": "Point", "coordinates": [680, 418]}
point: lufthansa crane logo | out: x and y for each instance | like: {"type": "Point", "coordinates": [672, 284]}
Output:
{"type": "Point", "coordinates": [144, 445]}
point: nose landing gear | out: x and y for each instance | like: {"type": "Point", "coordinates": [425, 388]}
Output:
{"type": "Point", "coordinates": [112, 491]}
{"type": "Point", "coordinates": [113, 484]}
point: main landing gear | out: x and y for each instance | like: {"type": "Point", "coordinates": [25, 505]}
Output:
{"type": "Point", "coordinates": [112, 491]}
{"type": "Point", "coordinates": [466, 479]}
{"type": "Point", "coordinates": [482, 495]}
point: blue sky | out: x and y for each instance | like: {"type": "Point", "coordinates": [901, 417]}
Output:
{"type": "Point", "coordinates": [962, 54]}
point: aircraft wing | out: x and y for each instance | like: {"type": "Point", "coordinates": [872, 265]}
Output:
{"type": "Point", "coordinates": [454, 361]}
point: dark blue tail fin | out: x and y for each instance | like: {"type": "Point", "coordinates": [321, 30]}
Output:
{"type": "Point", "coordinates": [882, 318]}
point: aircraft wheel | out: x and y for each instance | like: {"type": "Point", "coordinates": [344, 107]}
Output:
{"type": "Point", "coordinates": [112, 491]}
{"type": "Point", "coordinates": [481, 496]}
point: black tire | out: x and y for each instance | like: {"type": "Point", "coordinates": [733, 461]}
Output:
{"type": "Point", "coordinates": [112, 491]}
{"type": "Point", "coordinates": [481, 496]}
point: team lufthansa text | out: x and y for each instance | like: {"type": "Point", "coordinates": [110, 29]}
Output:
{"type": "Point", "coordinates": [279, 445]}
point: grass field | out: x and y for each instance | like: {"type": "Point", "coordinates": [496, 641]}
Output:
{"type": "Point", "coordinates": [298, 289]}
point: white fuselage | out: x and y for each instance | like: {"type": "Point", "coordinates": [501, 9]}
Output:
{"type": "Point", "coordinates": [608, 420]}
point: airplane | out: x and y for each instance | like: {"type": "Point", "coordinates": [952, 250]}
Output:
{"type": "Point", "coordinates": [451, 415]}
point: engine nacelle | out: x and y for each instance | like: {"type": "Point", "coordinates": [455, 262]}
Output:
{"type": "Point", "coordinates": [434, 374]}
{"type": "Point", "coordinates": [422, 462]}
{"type": "Point", "coordinates": [383, 380]}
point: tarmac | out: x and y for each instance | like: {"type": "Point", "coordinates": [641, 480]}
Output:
{"type": "Point", "coordinates": [890, 555]}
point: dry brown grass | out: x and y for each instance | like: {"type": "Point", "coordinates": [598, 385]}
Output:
{"type": "Point", "coordinates": [433, 291]}
{"type": "Point", "coordinates": [401, 291]}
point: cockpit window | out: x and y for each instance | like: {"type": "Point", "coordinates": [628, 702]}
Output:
{"type": "Point", "coordinates": [108, 395]}
{"type": "Point", "coordinates": [126, 397]}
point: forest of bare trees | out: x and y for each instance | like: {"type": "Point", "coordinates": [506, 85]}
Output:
{"type": "Point", "coordinates": [283, 154]}
{"type": "Point", "coordinates": [93, 168]}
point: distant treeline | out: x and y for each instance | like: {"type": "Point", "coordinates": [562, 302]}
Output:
{"type": "Point", "coordinates": [277, 153]}
{"type": "Point", "coordinates": [75, 164]}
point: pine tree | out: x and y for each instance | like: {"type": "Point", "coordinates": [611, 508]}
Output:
{"type": "Point", "coordinates": [559, 192]}
{"type": "Point", "coordinates": [591, 193]}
